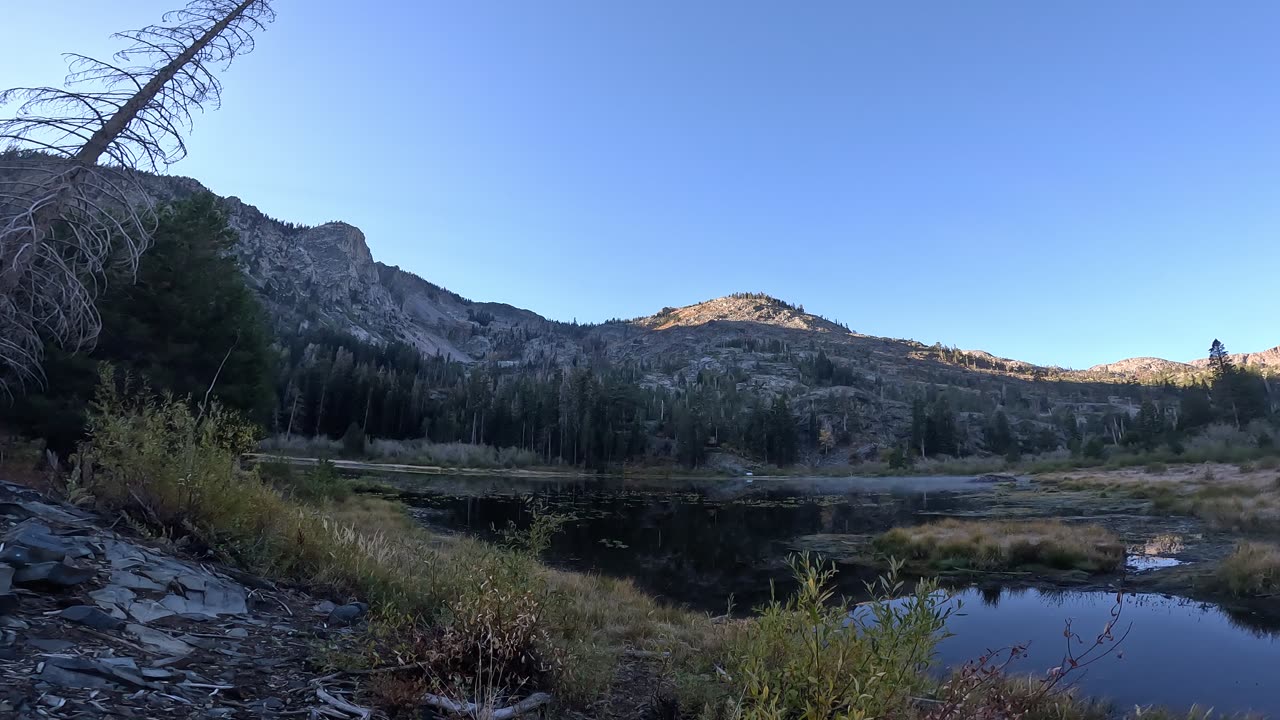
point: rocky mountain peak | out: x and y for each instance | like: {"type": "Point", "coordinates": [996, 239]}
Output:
{"type": "Point", "coordinates": [755, 308]}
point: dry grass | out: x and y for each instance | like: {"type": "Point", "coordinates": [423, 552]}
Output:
{"type": "Point", "coordinates": [1252, 570]}
{"type": "Point", "coordinates": [1242, 498]}
{"type": "Point", "coordinates": [1001, 545]}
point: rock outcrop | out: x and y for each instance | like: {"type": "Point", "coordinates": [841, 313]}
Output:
{"type": "Point", "coordinates": [97, 624]}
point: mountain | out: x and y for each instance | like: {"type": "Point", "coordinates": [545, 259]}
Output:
{"type": "Point", "coordinates": [1150, 369]}
{"type": "Point", "coordinates": [864, 387]}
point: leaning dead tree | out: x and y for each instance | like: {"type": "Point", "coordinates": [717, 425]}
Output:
{"type": "Point", "coordinates": [70, 204]}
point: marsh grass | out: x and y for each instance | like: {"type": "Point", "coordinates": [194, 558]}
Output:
{"type": "Point", "coordinates": [1223, 496]}
{"type": "Point", "coordinates": [1251, 570]}
{"type": "Point", "coordinates": [1004, 545]}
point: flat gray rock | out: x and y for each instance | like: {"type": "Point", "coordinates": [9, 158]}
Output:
{"type": "Point", "coordinates": [133, 581]}
{"type": "Point", "coordinates": [57, 574]}
{"type": "Point", "coordinates": [86, 672]}
{"type": "Point", "coordinates": [122, 555]}
{"type": "Point", "coordinates": [112, 595]}
{"type": "Point", "coordinates": [92, 617]}
{"type": "Point", "coordinates": [158, 641]}
{"type": "Point", "coordinates": [52, 645]}
{"type": "Point", "coordinates": [55, 673]}
{"type": "Point", "coordinates": [147, 611]}
{"type": "Point", "coordinates": [218, 598]}
{"type": "Point", "coordinates": [6, 578]}
{"type": "Point", "coordinates": [44, 545]}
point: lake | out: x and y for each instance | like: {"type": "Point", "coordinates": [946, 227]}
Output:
{"type": "Point", "coordinates": [718, 544]}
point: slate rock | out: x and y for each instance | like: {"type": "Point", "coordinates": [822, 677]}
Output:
{"type": "Point", "coordinates": [124, 663]}
{"type": "Point", "coordinates": [6, 578]}
{"type": "Point", "coordinates": [16, 556]}
{"type": "Point", "coordinates": [126, 579]}
{"type": "Point", "coordinates": [145, 611]}
{"type": "Point", "coordinates": [66, 672]}
{"type": "Point", "coordinates": [90, 673]}
{"type": "Point", "coordinates": [8, 603]}
{"type": "Point", "coordinates": [57, 574]}
{"type": "Point", "coordinates": [53, 645]}
{"type": "Point", "coordinates": [348, 614]}
{"type": "Point", "coordinates": [44, 545]}
{"type": "Point", "coordinates": [158, 641]}
{"type": "Point", "coordinates": [112, 595]}
{"type": "Point", "coordinates": [91, 617]}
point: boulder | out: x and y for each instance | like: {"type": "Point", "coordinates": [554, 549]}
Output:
{"type": "Point", "coordinates": [6, 578]}
{"type": "Point", "coordinates": [348, 614]}
{"type": "Point", "coordinates": [8, 604]}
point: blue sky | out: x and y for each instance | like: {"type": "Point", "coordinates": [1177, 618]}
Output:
{"type": "Point", "coordinates": [1059, 182]}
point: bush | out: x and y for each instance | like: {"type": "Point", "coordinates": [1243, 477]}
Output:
{"type": "Point", "coordinates": [315, 484]}
{"type": "Point", "coordinates": [813, 658]}
{"type": "Point", "coordinates": [176, 469]}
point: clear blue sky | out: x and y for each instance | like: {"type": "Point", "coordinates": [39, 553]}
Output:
{"type": "Point", "coordinates": [1060, 182]}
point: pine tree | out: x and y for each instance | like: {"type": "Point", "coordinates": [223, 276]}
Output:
{"type": "Point", "coordinates": [1219, 361]}
{"type": "Point", "coordinates": [189, 325]}
{"type": "Point", "coordinates": [68, 208]}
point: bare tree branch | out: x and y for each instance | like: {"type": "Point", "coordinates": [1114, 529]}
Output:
{"type": "Point", "coordinates": [70, 204]}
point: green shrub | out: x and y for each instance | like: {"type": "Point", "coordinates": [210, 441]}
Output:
{"type": "Point", "coordinates": [176, 469]}
{"type": "Point", "coordinates": [314, 485]}
{"type": "Point", "coordinates": [814, 658]}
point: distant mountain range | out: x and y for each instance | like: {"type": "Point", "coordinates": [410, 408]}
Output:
{"type": "Point", "coordinates": [325, 276]}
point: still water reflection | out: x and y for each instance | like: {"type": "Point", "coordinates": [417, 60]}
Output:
{"type": "Point", "coordinates": [1177, 652]}
{"type": "Point", "coordinates": [701, 544]}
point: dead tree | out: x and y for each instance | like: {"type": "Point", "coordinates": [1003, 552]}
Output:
{"type": "Point", "coordinates": [70, 200]}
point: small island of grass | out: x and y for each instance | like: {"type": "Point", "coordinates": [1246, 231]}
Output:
{"type": "Point", "coordinates": [1004, 545]}
{"type": "Point", "coordinates": [1251, 570]}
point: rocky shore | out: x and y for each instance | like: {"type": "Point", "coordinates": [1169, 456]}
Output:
{"type": "Point", "coordinates": [97, 623]}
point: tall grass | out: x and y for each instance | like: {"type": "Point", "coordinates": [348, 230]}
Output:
{"type": "Point", "coordinates": [1252, 570]}
{"type": "Point", "coordinates": [998, 545]}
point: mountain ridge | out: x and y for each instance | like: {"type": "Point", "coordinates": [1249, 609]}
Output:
{"type": "Point", "coordinates": [327, 275]}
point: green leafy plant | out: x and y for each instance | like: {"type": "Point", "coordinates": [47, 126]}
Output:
{"type": "Point", "coordinates": [812, 657]}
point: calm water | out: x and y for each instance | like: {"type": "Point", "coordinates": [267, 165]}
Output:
{"type": "Point", "coordinates": [703, 543]}
{"type": "Point", "coordinates": [1177, 652]}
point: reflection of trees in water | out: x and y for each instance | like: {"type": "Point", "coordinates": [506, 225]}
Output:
{"type": "Point", "coordinates": [683, 542]}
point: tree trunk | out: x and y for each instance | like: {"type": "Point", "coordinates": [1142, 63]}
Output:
{"type": "Point", "coordinates": [292, 411]}
{"type": "Point", "coordinates": [91, 152]}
